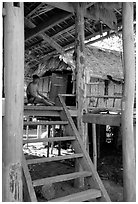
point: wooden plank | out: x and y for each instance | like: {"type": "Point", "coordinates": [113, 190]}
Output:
{"type": "Point", "coordinates": [52, 139]}
{"type": "Point", "coordinates": [80, 197]}
{"type": "Point", "coordinates": [73, 113]}
{"type": "Point", "coordinates": [98, 110]}
{"type": "Point", "coordinates": [41, 113]}
{"type": "Point", "coordinates": [46, 123]}
{"type": "Point", "coordinates": [61, 178]}
{"type": "Point", "coordinates": [79, 148]}
{"type": "Point", "coordinates": [43, 108]}
{"type": "Point", "coordinates": [28, 180]}
{"type": "Point", "coordinates": [103, 119]}
{"type": "Point", "coordinates": [129, 160]}
{"type": "Point", "coordinates": [73, 95]}
{"type": "Point", "coordinates": [47, 24]}
{"type": "Point", "coordinates": [57, 158]}
{"type": "Point", "coordinates": [103, 96]}
{"type": "Point", "coordinates": [13, 58]}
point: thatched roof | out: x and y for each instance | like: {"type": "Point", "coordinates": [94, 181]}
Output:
{"type": "Point", "coordinates": [50, 27]}
{"type": "Point", "coordinates": [50, 65]}
{"type": "Point", "coordinates": [99, 62]}
{"type": "Point", "coordinates": [102, 62]}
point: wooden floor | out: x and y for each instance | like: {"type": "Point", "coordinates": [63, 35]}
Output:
{"type": "Point", "coordinates": [47, 110]}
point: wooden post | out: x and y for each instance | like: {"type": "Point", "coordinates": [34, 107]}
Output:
{"type": "Point", "coordinates": [94, 145]}
{"type": "Point", "coordinates": [79, 57]}
{"type": "Point", "coordinates": [98, 128]}
{"type": "Point", "coordinates": [53, 135]}
{"type": "Point", "coordinates": [48, 144]}
{"type": "Point", "coordinates": [129, 166]}
{"type": "Point", "coordinates": [14, 101]}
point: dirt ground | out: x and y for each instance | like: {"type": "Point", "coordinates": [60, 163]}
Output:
{"type": "Point", "coordinates": [109, 168]}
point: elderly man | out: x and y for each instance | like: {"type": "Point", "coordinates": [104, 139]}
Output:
{"type": "Point", "coordinates": [33, 94]}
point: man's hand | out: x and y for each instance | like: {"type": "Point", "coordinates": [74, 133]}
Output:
{"type": "Point", "coordinates": [109, 77]}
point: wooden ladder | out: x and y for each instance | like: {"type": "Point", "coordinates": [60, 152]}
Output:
{"type": "Point", "coordinates": [95, 190]}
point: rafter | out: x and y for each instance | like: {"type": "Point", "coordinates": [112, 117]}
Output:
{"type": "Point", "coordinates": [34, 10]}
{"type": "Point", "coordinates": [47, 25]}
{"type": "Point", "coordinates": [41, 8]}
{"type": "Point", "coordinates": [52, 43]}
{"type": "Point", "coordinates": [46, 37]}
{"type": "Point", "coordinates": [53, 36]}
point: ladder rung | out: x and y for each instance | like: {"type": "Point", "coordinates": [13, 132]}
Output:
{"type": "Point", "coordinates": [56, 158]}
{"type": "Point", "coordinates": [70, 95]}
{"type": "Point", "coordinates": [46, 123]}
{"type": "Point", "coordinates": [61, 178]}
{"type": "Point", "coordinates": [51, 139]}
{"type": "Point", "coordinates": [80, 196]}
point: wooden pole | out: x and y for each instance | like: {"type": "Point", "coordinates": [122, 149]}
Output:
{"type": "Point", "coordinates": [14, 101]}
{"type": "Point", "coordinates": [79, 57]}
{"type": "Point", "coordinates": [129, 166]}
{"type": "Point", "coordinates": [94, 145]}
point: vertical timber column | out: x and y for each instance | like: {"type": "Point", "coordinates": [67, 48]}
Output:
{"type": "Point", "coordinates": [129, 166]}
{"type": "Point", "coordinates": [14, 102]}
{"type": "Point", "coordinates": [79, 55]}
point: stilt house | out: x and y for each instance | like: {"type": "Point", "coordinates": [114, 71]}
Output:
{"type": "Point", "coordinates": [34, 33]}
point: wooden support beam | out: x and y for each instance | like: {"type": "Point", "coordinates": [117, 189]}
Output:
{"type": "Point", "coordinates": [14, 99]}
{"type": "Point", "coordinates": [102, 119]}
{"type": "Point", "coordinates": [129, 164]}
{"type": "Point", "coordinates": [47, 25]}
{"type": "Point", "coordinates": [80, 196]}
{"type": "Point", "coordinates": [52, 43]}
{"type": "Point", "coordinates": [66, 6]}
{"type": "Point", "coordinates": [94, 139]}
{"type": "Point", "coordinates": [79, 56]}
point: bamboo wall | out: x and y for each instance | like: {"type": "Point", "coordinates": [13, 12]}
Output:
{"type": "Point", "coordinates": [100, 87]}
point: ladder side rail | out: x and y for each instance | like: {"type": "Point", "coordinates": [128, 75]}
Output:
{"type": "Point", "coordinates": [86, 161]}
